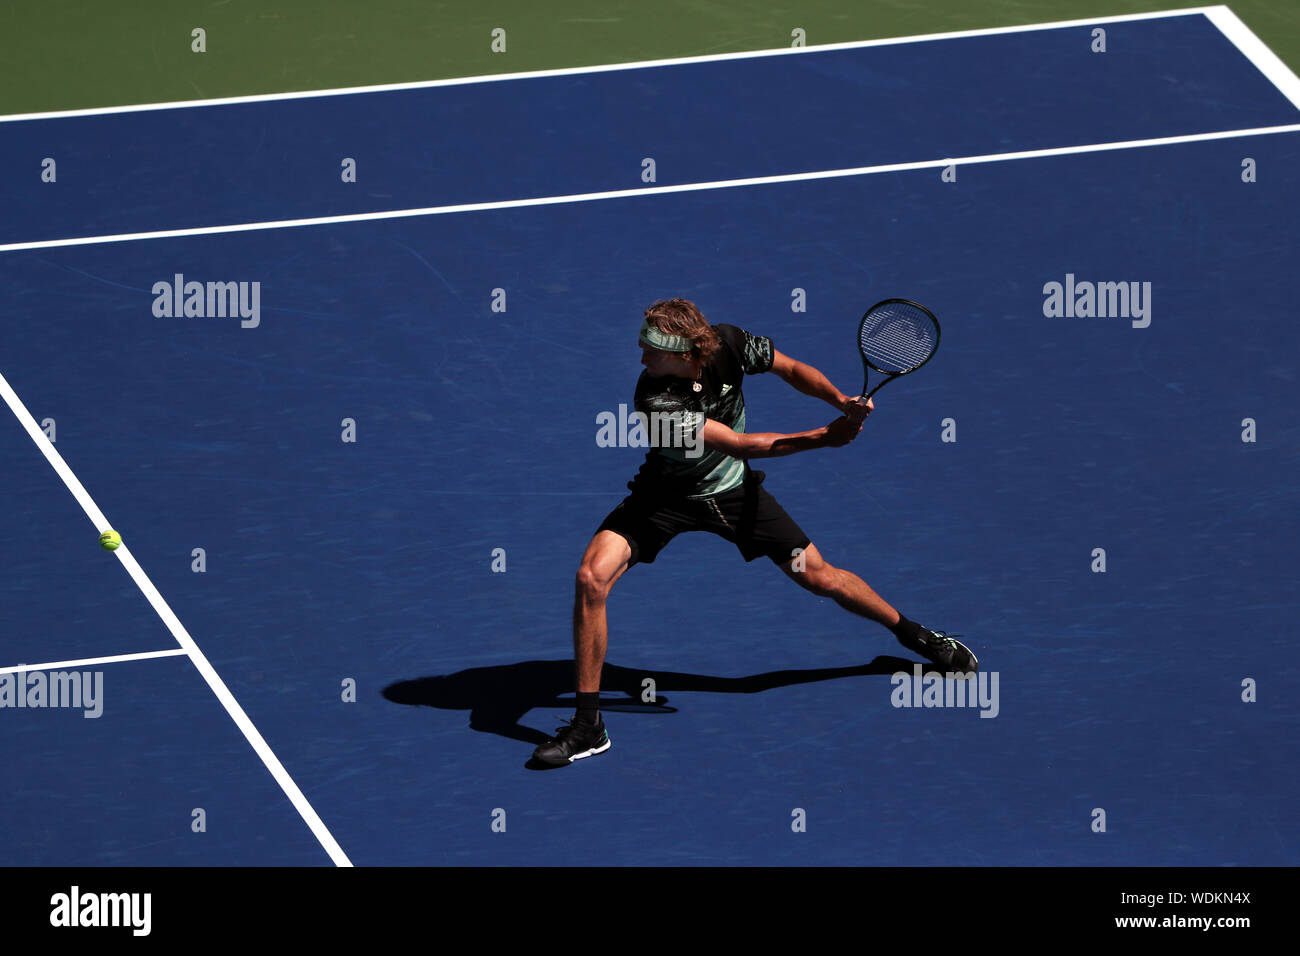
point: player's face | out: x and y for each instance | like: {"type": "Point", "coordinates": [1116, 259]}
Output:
{"type": "Point", "coordinates": [661, 363]}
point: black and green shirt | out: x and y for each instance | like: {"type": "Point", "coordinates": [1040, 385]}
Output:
{"type": "Point", "coordinates": [685, 468]}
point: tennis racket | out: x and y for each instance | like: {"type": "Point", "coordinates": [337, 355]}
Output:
{"type": "Point", "coordinates": [896, 337]}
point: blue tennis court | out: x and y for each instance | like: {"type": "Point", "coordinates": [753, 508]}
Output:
{"type": "Point", "coordinates": [389, 462]}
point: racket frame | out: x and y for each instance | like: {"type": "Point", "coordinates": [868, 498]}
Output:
{"type": "Point", "coordinates": [867, 367]}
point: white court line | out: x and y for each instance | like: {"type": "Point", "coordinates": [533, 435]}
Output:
{"type": "Point", "coordinates": [1253, 49]}
{"type": "Point", "coordinates": [86, 662]}
{"type": "Point", "coordinates": [123, 554]}
{"type": "Point", "coordinates": [652, 190]}
{"type": "Point", "coordinates": [611, 67]}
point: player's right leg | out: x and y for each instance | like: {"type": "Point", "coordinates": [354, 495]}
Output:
{"type": "Point", "coordinates": [603, 563]}
{"type": "Point", "coordinates": [606, 558]}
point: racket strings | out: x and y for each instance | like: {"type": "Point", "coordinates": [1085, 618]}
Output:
{"type": "Point", "coordinates": [897, 342]}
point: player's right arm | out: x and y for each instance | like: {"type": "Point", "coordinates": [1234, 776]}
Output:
{"type": "Point", "coordinates": [718, 437]}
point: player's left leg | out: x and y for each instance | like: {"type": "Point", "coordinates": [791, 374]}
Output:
{"type": "Point", "coordinates": [759, 526]}
{"type": "Point", "coordinates": [814, 573]}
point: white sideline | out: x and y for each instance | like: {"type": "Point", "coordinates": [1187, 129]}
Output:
{"type": "Point", "coordinates": [1253, 49]}
{"type": "Point", "coordinates": [123, 554]}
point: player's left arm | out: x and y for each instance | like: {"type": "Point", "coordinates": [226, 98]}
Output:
{"type": "Point", "coordinates": [809, 380]}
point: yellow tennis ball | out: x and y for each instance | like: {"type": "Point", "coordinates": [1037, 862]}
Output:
{"type": "Point", "coordinates": [110, 540]}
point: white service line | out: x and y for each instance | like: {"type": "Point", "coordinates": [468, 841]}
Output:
{"type": "Point", "coordinates": [178, 631]}
{"type": "Point", "coordinates": [652, 190]}
{"type": "Point", "coordinates": [86, 662]}
{"type": "Point", "coordinates": [1254, 49]}
{"type": "Point", "coordinates": [609, 67]}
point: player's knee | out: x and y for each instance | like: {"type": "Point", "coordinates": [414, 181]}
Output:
{"type": "Point", "coordinates": [822, 580]}
{"type": "Point", "coordinates": [591, 585]}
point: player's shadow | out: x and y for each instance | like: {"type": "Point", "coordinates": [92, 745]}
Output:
{"type": "Point", "coordinates": [498, 697]}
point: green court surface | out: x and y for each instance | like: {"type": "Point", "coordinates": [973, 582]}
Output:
{"type": "Point", "coordinates": [86, 53]}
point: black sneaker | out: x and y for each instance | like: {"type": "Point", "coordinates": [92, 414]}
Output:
{"type": "Point", "coordinates": [573, 742]}
{"type": "Point", "coordinates": [943, 650]}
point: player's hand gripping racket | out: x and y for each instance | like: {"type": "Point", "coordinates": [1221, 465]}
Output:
{"type": "Point", "coordinates": [896, 337]}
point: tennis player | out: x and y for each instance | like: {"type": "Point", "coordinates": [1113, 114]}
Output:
{"type": "Point", "coordinates": [699, 479]}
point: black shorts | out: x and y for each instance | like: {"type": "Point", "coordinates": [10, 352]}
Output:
{"type": "Point", "coordinates": [747, 516]}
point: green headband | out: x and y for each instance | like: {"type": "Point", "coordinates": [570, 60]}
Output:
{"type": "Point", "coordinates": [662, 340]}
